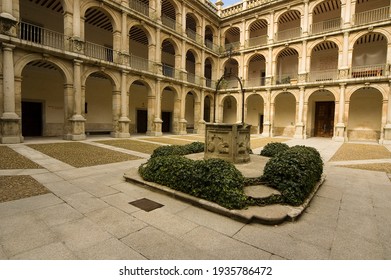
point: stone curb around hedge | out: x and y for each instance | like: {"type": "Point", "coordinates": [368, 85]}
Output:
{"type": "Point", "coordinates": [247, 215]}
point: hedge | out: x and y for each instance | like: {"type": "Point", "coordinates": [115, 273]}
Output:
{"type": "Point", "coordinates": [169, 150]}
{"type": "Point", "coordinates": [274, 148]}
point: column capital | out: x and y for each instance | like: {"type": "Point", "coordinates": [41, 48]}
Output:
{"type": "Point", "coordinates": [8, 47]}
{"type": "Point", "coordinates": [78, 61]}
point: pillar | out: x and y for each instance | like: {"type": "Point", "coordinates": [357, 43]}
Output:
{"type": "Point", "coordinates": [180, 105]}
{"type": "Point", "coordinates": [157, 130]}
{"type": "Point", "coordinates": [11, 131]}
{"type": "Point", "coordinates": [7, 20]}
{"type": "Point", "coordinates": [123, 122]}
{"type": "Point", "coordinates": [387, 127]}
{"type": "Point", "coordinates": [305, 24]}
{"type": "Point", "coordinates": [299, 132]}
{"type": "Point", "coordinates": [77, 120]}
{"type": "Point", "coordinates": [339, 132]}
{"type": "Point", "coordinates": [266, 114]}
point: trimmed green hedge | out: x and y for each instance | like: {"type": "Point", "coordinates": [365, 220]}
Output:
{"type": "Point", "coordinates": [195, 147]}
{"type": "Point", "coordinates": [212, 179]}
{"type": "Point", "coordinates": [273, 148]}
{"type": "Point", "coordinates": [294, 173]}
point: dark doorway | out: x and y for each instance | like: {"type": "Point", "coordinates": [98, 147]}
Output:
{"type": "Point", "coordinates": [207, 109]}
{"type": "Point", "coordinates": [324, 119]}
{"type": "Point", "coordinates": [260, 124]}
{"type": "Point", "coordinates": [166, 118]}
{"type": "Point", "coordinates": [31, 118]}
{"type": "Point", "coordinates": [142, 121]}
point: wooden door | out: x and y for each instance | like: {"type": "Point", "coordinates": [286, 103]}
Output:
{"type": "Point", "coordinates": [324, 119]}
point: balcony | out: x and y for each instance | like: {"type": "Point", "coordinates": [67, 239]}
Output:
{"type": "Point", "coordinates": [326, 26]}
{"type": "Point", "coordinates": [39, 35]}
{"type": "Point", "coordinates": [170, 71]}
{"type": "Point", "coordinates": [191, 34]}
{"type": "Point", "coordinates": [288, 34]}
{"type": "Point", "coordinates": [98, 51]}
{"type": "Point", "coordinates": [255, 82]}
{"type": "Point", "coordinates": [286, 79]}
{"type": "Point", "coordinates": [140, 7]}
{"type": "Point", "coordinates": [232, 46]}
{"type": "Point", "coordinates": [256, 41]}
{"type": "Point", "coordinates": [171, 23]}
{"type": "Point", "coordinates": [372, 16]}
{"type": "Point", "coordinates": [367, 71]}
{"type": "Point", "coordinates": [210, 45]}
{"type": "Point", "coordinates": [323, 75]}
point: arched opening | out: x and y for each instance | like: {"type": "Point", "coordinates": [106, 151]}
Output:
{"type": "Point", "coordinates": [256, 71]}
{"type": "Point", "coordinates": [324, 62]}
{"type": "Point", "coordinates": [168, 59]}
{"type": "Point", "coordinates": [231, 71]}
{"type": "Point", "coordinates": [232, 39]}
{"type": "Point", "coordinates": [138, 48]}
{"type": "Point", "coordinates": [255, 113]}
{"type": "Point", "coordinates": [42, 23]}
{"type": "Point", "coordinates": [168, 14]}
{"type": "Point", "coordinates": [191, 28]}
{"type": "Point", "coordinates": [326, 17]}
{"type": "Point", "coordinates": [138, 107]}
{"type": "Point", "coordinates": [98, 35]}
{"type": "Point", "coordinates": [169, 113]}
{"type": "Point", "coordinates": [207, 109]}
{"type": "Point", "coordinates": [229, 110]}
{"type": "Point", "coordinates": [289, 25]}
{"type": "Point", "coordinates": [42, 91]}
{"type": "Point", "coordinates": [258, 33]}
{"type": "Point", "coordinates": [190, 112]}
{"type": "Point", "coordinates": [191, 67]}
{"type": "Point", "coordinates": [285, 114]}
{"type": "Point", "coordinates": [321, 114]}
{"type": "Point", "coordinates": [365, 113]}
{"type": "Point", "coordinates": [371, 11]}
{"type": "Point", "coordinates": [209, 37]}
{"type": "Point", "coordinates": [369, 56]}
{"type": "Point", "coordinates": [208, 72]}
{"type": "Point", "coordinates": [98, 108]}
{"type": "Point", "coordinates": [287, 66]}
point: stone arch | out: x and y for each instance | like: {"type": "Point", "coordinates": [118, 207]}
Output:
{"type": "Point", "coordinates": [114, 17]}
{"type": "Point", "coordinates": [110, 75]}
{"type": "Point", "coordinates": [140, 110]}
{"type": "Point", "coordinates": [254, 112]}
{"type": "Point", "coordinates": [284, 114]}
{"type": "Point", "coordinates": [365, 114]}
{"type": "Point", "coordinates": [229, 110]}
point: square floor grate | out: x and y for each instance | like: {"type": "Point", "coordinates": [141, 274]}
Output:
{"type": "Point", "coordinates": [146, 204]}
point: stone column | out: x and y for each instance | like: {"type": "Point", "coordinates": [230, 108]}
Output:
{"type": "Point", "coordinates": [344, 63]}
{"type": "Point", "coordinates": [77, 120]}
{"type": "Point", "coordinates": [303, 64]}
{"type": "Point", "coordinates": [68, 110]}
{"type": "Point", "coordinates": [339, 134]}
{"type": "Point", "coordinates": [7, 20]}
{"type": "Point", "coordinates": [157, 131]}
{"type": "Point", "coordinates": [269, 67]}
{"type": "Point", "coordinates": [271, 28]}
{"type": "Point", "coordinates": [305, 18]}
{"type": "Point", "coordinates": [387, 127]}
{"type": "Point", "coordinates": [299, 133]}
{"type": "Point", "coordinates": [201, 121]}
{"type": "Point", "coordinates": [123, 122]}
{"type": "Point", "coordinates": [347, 16]}
{"type": "Point", "coordinates": [11, 131]}
{"type": "Point", "coordinates": [266, 114]}
{"type": "Point", "coordinates": [124, 34]}
{"type": "Point", "coordinates": [76, 19]}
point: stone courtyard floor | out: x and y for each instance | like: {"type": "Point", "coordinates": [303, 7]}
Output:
{"type": "Point", "coordinates": [86, 213]}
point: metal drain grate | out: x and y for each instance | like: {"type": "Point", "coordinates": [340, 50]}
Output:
{"type": "Point", "coordinates": [146, 204]}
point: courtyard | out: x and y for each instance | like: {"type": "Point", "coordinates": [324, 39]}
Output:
{"type": "Point", "coordinates": [69, 200]}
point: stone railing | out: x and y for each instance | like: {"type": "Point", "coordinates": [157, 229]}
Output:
{"type": "Point", "coordinates": [40, 35]}
{"type": "Point", "coordinates": [326, 26]}
{"type": "Point", "coordinates": [372, 16]}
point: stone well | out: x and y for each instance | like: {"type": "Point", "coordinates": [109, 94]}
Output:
{"type": "Point", "coordinates": [230, 142]}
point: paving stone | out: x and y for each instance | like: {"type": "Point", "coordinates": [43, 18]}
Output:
{"type": "Point", "coordinates": [62, 188]}
{"type": "Point", "coordinates": [223, 247]}
{"type": "Point", "coordinates": [323, 206]}
{"type": "Point", "coordinates": [166, 222]}
{"type": "Point", "coordinates": [58, 214]}
{"type": "Point", "coordinates": [276, 258]}
{"type": "Point", "coordinates": [26, 240]}
{"type": "Point", "coordinates": [157, 245]}
{"type": "Point", "coordinates": [85, 202]}
{"type": "Point", "coordinates": [80, 234]}
{"type": "Point", "coordinates": [330, 192]}
{"type": "Point", "coordinates": [350, 246]}
{"type": "Point", "coordinates": [20, 222]}
{"type": "Point", "coordinates": [53, 251]}
{"type": "Point", "coordinates": [26, 204]}
{"type": "Point", "coordinates": [269, 239]}
{"type": "Point", "coordinates": [111, 249]}
{"type": "Point", "coordinates": [115, 221]}
{"type": "Point", "coordinates": [211, 220]}
{"type": "Point", "coordinates": [121, 201]}
{"type": "Point", "coordinates": [47, 178]}
{"type": "Point", "coordinates": [93, 186]}
{"type": "Point", "coordinates": [356, 203]}
{"type": "Point", "coordinates": [132, 190]}
{"type": "Point", "coordinates": [171, 204]}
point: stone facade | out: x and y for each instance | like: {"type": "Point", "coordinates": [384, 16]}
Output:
{"type": "Point", "coordinates": [309, 68]}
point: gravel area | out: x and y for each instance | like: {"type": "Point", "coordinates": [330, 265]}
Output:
{"type": "Point", "coordinates": [17, 187]}
{"type": "Point", "coordinates": [260, 142]}
{"type": "Point", "coordinates": [80, 154]}
{"type": "Point", "coordinates": [12, 160]}
{"type": "Point", "coordinates": [351, 151]}
{"type": "Point", "coordinates": [165, 140]}
{"type": "Point", "coordinates": [383, 167]}
{"type": "Point", "coordinates": [133, 145]}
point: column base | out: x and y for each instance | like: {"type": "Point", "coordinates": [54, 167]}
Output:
{"type": "Point", "coordinates": [78, 132]}
{"type": "Point", "coordinates": [266, 129]}
{"type": "Point", "coordinates": [339, 135]}
{"type": "Point", "coordinates": [10, 126]}
{"type": "Point", "coordinates": [120, 134]}
{"type": "Point", "coordinates": [299, 131]}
